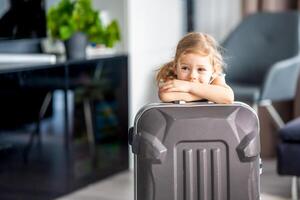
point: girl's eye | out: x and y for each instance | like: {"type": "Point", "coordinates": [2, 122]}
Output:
{"type": "Point", "coordinates": [201, 70]}
{"type": "Point", "coordinates": [184, 68]}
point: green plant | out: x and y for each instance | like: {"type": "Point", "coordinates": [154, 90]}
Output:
{"type": "Point", "coordinates": [68, 17]}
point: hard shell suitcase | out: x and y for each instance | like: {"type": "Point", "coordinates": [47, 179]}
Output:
{"type": "Point", "coordinates": [196, 151]}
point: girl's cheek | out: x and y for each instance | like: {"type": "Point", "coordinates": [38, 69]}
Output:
{"type": "Point", "coordinates": [182, 77]}
{"type": "Point", "coordinates": [205, 80]}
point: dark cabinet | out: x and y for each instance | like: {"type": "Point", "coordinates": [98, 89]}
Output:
{"type": "Point", "coordinates": [94, 107]}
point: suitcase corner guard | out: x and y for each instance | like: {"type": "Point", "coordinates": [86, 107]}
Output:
{"type": "Point", "coordinates": [147, 146]}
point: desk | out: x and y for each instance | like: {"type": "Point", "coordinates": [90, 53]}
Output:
{"type": "Point", "coordinates": [98, 78]}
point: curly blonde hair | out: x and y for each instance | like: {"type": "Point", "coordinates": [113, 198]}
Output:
{"type": "Point", "coordinates": [194, 42]}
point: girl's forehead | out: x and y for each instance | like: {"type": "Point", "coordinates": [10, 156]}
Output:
{"type": "Point", "coordinates": [195, 58]}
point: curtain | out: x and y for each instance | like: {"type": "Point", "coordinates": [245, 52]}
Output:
{"type": "Point", "coordinates": [252, 6]}
{"type": "Point", "coordinates": [216, 17]}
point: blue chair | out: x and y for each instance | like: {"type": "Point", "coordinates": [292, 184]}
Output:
{"type": "Point", "coordinates": [263, 60]}
{"type": "Point", "coordinates": [288, 153]}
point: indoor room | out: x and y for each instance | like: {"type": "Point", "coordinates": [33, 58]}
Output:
{"type": "Point", "coordinates": [137, 99]}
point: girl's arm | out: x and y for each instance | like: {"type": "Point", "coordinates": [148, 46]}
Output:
{"type": "Point", "coordinates": [218, 91]}
{"type": "Point", "coordinates": [176, 96]}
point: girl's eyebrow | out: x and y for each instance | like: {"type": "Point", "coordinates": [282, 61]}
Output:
{"type": "Point", "coordinates": [204, 66]}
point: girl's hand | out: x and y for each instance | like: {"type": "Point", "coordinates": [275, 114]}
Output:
{"type": "Point", "coordinates": [176, 86]}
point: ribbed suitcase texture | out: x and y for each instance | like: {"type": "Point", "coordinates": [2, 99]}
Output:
{"type": "Point", "coordinates": [196, 151]}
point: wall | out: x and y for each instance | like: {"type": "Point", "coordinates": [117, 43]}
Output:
{"type": "Point", "coordinates": [154, 28]}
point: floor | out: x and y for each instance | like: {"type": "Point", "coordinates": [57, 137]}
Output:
{"type": "Point", "coordinates": [120, 186]}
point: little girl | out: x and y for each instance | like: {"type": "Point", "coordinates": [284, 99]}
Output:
{"type": "Point", "coordinates": [196, 73]}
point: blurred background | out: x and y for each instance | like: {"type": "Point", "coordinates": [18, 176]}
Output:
{"type": "Point", "coordinates": [66, 106]}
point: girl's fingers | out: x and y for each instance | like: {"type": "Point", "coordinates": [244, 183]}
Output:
{"type": "Point", "coordinates": [166, 85]}
{"type": "Point", "coordinates": [172, 89]}
{"type": "Point", "coordinates": [166, 88]}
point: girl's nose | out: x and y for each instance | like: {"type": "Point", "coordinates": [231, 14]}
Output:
{"type": "Point", "coordinates": [194, 76]}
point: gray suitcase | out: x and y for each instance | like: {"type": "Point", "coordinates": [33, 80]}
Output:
{"type": "Point", "coordinates": [196, 151]}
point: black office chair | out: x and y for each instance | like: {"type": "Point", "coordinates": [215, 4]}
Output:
{"type": "Point", "coordinates": [288, 153]}
{"type": "Point", "coordinates": [263, 59]}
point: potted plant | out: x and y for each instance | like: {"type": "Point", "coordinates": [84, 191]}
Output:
{"type": "Point", "coordinates": [77, 23]}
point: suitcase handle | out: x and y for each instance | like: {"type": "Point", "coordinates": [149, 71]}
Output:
{"type": "Point", "coordinates": [249, 148]}
{"type": "Point", "coordinates": [179, 102]}
{"type": "Point", "coordinates": [148, 146]}
{"type": "Point", "coordinates": [184, 102]}
{"type": "Point", "coordinates": [130, 135]}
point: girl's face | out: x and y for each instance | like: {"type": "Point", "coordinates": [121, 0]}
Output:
{"type": "Point", "coordinates": [195, 68]}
